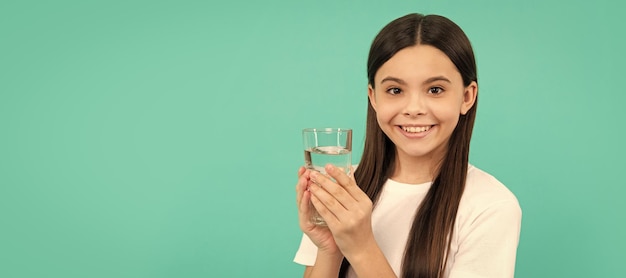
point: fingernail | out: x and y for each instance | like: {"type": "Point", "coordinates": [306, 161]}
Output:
{"type": "Point", "coordinates": [329, 168]}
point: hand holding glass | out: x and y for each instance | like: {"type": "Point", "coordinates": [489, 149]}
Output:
{"type": "Point", "coordinates": [326, 146]}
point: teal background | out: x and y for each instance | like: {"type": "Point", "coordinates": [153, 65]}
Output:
{"type": "Point", "coordinates": [162, 138]}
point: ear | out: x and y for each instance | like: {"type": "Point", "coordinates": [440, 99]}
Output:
{"type": "Point", "coordinates": [371, 95]}
{"type": "Point", "coordinates": [469, 97]}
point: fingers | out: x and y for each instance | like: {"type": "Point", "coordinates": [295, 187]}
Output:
{"type": "Point", "coordinates": [302, 185]}
{"type": "Point", "coordinates": [303, 199]}
{"type": "Point", "coordinates": [333, 199]}
{"type": "Point", "coordinates": [330, 194]}
{"type": "Point", "coordinates": [329, 214]}
{"type": "Point", "coordinates": [346, 181]}
{"type": "Point", "coordinates": [301, 171]}
{"type": "Point", "coordinates": [303, 205]}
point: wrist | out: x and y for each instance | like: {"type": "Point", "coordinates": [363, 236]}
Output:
{"type": "Point", "coordinates": [331, 256]}
{"type": "Point", "coordinates": [367, 255]}
{"type": "Point", "coordinates": [327, 264]}
{"type": "Point", "coordinates": [371, 264]}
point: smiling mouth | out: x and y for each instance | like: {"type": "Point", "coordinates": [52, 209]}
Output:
{"type": "Point", "coordinates": [416, 129]}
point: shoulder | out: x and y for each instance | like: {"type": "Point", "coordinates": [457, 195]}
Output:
{"type": "Point", "coordinates": [483, 188]}
{"type": "Point", "coordinates": [485, 193]}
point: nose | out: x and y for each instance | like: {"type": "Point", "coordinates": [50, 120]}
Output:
{"type": "Point", "coordinates": [415, 105]}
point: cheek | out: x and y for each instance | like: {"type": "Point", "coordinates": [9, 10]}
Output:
{"type": "Point", "coordinates": [449, 113]}
{"type": "Point", "coordinates": [386, 107]}
{"type": "Point", "coordinates": [380, 119]}
{"type": "Point", "coordinates": [383, 118]}
{"type": "Point", "coordinates": [384, 114]}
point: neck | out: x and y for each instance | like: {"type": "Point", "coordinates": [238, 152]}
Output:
{"type": "Point", "coordinates": [416, 170]}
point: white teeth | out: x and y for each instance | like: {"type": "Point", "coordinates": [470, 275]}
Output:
{"type": "Point", "coordinates": [415, 129]}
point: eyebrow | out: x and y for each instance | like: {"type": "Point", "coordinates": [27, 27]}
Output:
{"type": "Point", "coordinates": [394, 79]}
{"type": "Point", "coordinates": [437, 78]}
{"type": "Point", "coordinates": [429, 80]}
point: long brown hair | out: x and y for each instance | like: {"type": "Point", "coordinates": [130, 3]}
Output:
{"type": "Point", "coordinates": [428, 244]}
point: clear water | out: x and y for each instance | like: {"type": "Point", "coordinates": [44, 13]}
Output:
{"type": "Point", "coordinates": [316, 158]}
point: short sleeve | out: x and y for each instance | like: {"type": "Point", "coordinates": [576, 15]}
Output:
{"type": "Point", "coordinates": [488, 244]}
{"type": "Point", "coordinates": [307, 253]}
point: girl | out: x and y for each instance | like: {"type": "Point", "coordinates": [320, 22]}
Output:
{"type": "Point", "coordinates": [414, 206]}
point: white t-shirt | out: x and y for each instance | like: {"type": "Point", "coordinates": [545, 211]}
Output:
{"type": "Point", "coordinates": [486, 231]}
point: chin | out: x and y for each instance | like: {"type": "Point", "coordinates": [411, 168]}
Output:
{"type": "Point", "coordinates": [416, 153]}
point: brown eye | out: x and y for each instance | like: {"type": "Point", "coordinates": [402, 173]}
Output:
{"type": "Point", "coordinates": [435, 90]}
{"type": "Point", "coordinates": [394, 91]}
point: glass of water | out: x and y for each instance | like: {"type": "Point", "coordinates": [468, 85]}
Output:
{"type": "Point", "coordinates": [326, 146]}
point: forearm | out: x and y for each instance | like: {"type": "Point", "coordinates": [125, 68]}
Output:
{"type": "Point", "coordinates": [326, 265]}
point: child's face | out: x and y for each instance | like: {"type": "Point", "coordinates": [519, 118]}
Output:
{"type": "Point", "coordinates": [418, 98]}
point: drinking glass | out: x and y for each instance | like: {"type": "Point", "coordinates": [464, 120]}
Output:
{"type": "Point", "coordinates": [326, 146]}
